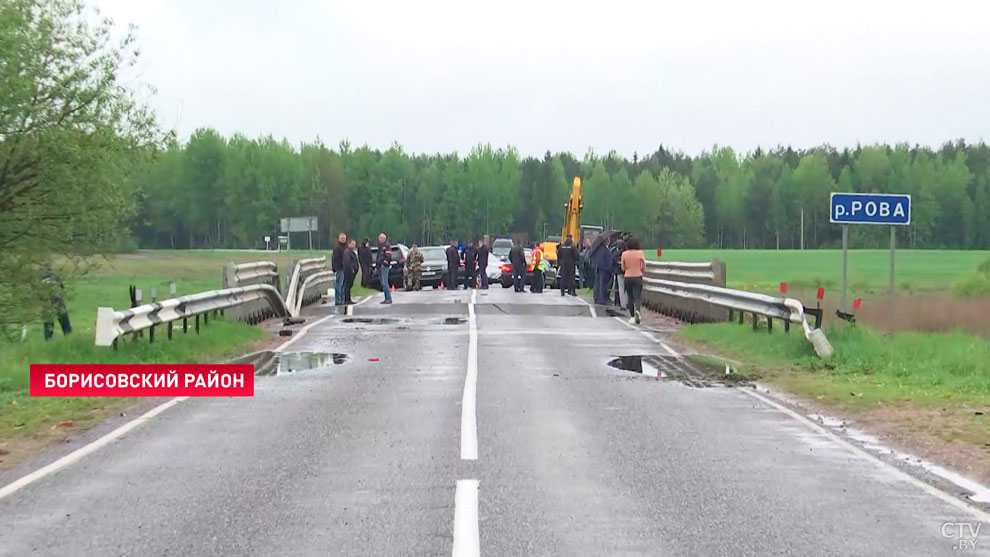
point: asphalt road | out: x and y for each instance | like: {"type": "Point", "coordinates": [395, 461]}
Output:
{"type": "Point", "coordinates": [562, 455]}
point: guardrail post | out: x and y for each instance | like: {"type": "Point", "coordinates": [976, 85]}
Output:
{"type": "Point", "coordinates": [787, 326]}
{"type": "Point", "coordinates": [197, 324]}
{"type": "Point", "coordinates": [151, 335]}
{"type": "Point", "coordinates": [185, 325]}
{"type": "Point", "coordinates": [206, 318]}
{"type": "Point", "coordinates": [170, 330]}
{"type": "Point", "coordinates": [756, 320]}
{"type": "Point", "coordinates": [731, 315]}
{"type": "Point", "coordinates": [769, 325]}
{"type": "Point", "coordinates": [742, 316]}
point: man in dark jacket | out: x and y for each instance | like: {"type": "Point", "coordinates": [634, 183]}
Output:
{"type": "Point", "coordinates": [351, 267]}
{"type": "Point", "coordinates": [453, 264]}
{"type": "Point", "coordinates": [517, 258]}
{"type": "Point", "coordinates": [337, 266]}
{"type": "Point", "coordinates": [601, 258]}
{"type": "Point", "coordinates": [567, 258]}
{"type": "Point", "coordinates": [470, 265]}
{"type": "Point", "coordinates": [383, 262]}
{"type": "Point", "coordinates": [483, 264]}
{"type": "Point", "coordinates": [587, 269]}
{"type": "Point", "coordinates": [367, 261]}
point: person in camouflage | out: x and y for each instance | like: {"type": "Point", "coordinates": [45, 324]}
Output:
{"type": "Point", "coordinates": [414, 268]}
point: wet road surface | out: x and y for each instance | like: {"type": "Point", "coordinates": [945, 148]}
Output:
{"type": "Point", "coordinates": [484, 422]}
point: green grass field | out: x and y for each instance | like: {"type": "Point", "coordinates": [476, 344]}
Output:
{"type": "Point", "coordinates": [105, 283]}
{"type": "Point", "coordinates": [764, 270]}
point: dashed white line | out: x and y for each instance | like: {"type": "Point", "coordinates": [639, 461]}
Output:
{"type": "Point", "coordinates": [118, 433]}
{"type": "Point", "coordinates": [469, 417]}
{"type": "Point", "coordinates": [467, 541]}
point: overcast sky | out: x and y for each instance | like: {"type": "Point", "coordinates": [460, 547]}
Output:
{"type": "Point", "coordinates": [569, 75]}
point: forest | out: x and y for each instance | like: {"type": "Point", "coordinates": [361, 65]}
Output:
{"type": "Point", "coordinates": [213, 191]}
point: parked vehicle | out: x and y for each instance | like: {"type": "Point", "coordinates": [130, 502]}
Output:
{"type": "Point", "coordinates": [434, 265]}
{"type": "Point", "coordinates": [549, 277]}
{"type": "Point", "coordinates": [500, 249]}
{"type": "Point", "coordinates": [397, 271]}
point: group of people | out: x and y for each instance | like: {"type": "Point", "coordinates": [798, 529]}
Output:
{"type": "Point", "coordinates": [620, 265]}
{"type": "Point", "coordinates": [348, 259]}
{"type": "Point", "coordinates": [475, 265]}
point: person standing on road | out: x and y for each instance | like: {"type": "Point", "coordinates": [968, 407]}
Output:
{"type": "Point", "coordinates": [414, 268]}
{"type": "Point", "coordinates": [538, 263]}
{"type": "Point", "coordinates": [351, 266]}
{"type": "Point", "coordinates": [483, 263]}
{"type": "Point", "coordinates": [453, 264]}
{"type": "Point", "coordinates": [337, 266]}
{"type": "Point", "coordinates": [517, 258]}
{"type": "Point", "coordinates": [587, 269]}
{"type": "Point", "coordinates": [633, 263]}
{"type": "Point", "coordinates": [384, 263]}
{"type": "Point", "coordinates": [470, 265]}
{"type": "Point", "coordinates": [601, 259]}
{"type": "Point", "coordinates": [567, 263]}
{"type": "Point", "coordinates": [367, 261]}
{"type": "Point", "coordinates": [620, 291]}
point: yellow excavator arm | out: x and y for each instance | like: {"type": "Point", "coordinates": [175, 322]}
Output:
{"type": "Point", "coordinates": [572, 215]}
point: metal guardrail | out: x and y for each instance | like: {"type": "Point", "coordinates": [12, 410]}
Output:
{"type": "Point", "coordinates": [310, 285]}
{"type": "Point", "coordinates": [247, 274]}
{"type": "Point", "coordinates": [694, 272]}
{"type": "Point", "coordinates": [784, 309]}
{"type": "Point", "coordinates": [110, 324]}
{"type": "Point", "coordinates": [296, 291]}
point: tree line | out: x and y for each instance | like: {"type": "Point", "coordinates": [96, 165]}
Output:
{"type": "Point", "coordinates": [213, 191]}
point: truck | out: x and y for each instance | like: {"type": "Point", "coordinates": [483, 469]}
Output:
{"type": "Point", "coordinates": [572, 225]}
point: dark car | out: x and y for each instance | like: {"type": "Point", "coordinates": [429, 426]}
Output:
{"type": "Point", "coordinates": [500, 248]}
{"type": "Point", "coordinates": [434, 265]}
{"type": "Point", "coordinates": [549, 277]}
{"type": "Point", "coordinates": [397, 270]}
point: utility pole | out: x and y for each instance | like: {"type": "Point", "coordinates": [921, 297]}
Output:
{"type": "Point", "coordinates": [802, 228]}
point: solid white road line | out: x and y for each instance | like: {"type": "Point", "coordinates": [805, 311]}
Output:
{"type": "Point", "coordinates": [350, 309]}
{"type": "Point", "coordinates": [467, 541]}
{"type": "Point", "coordinates": [891, 470]}
{"type": "Point", "coordinates": [469, 417]}
{"type": "Point", "coordinates": [886, 467]}
{"type": "Point", "coordinates": [590, 306]}
{"type": "Point", "coordinates": [81, 452]}
{"type": "Point", "coordinates": [116, 434]}
{"type": "Point", "coordinates": [649, 335]}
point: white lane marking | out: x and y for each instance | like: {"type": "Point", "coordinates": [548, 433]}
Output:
{"type": "Point", "coordinates": [895, 472]}
{"type": "Point", "coordinates": [118, 433]}
{"type": "Point", "coordinates": [650, 336]}
{"type": "Point", "coordinates": [467, 542]}
{"type": "Point", "coordinates": [302, 332]}
{"type": "Point", "coordinates": [469, 416]}
{"type": "Point", "coordinates": [82, 452]}
{"type": "Point", "coordinates": [590, 306]}
{"type": "Point", "coordinates": [350, 308]}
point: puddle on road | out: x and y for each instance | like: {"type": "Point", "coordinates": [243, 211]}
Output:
{"type": "Point", "coordinates": [683, 370]}
{"type": "Point", "coordinates": [636, 364]}
{"type": "Point", "coordinates": [370, 320]}
{"type": "Point", "coordinates": [291, 362]}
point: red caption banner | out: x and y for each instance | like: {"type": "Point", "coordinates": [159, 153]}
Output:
{"type": "Point", "coordinates": [142, 380]}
